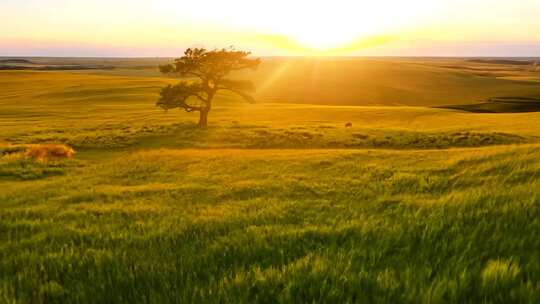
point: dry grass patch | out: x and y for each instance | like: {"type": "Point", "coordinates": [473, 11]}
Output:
{"type": "Point", "coordinates": [48, 151]}
{"type": "Point", "coordinates": [39, 152]}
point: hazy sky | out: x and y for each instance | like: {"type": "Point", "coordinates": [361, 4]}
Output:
{"type": "Point", "coordinates": [271, 27]}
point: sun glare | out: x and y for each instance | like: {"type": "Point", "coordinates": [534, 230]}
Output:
{"type": "Point", "coordinates": [325, 25]}
{"type": "Point", "coordinates": [322, 39]}
{"type": "Point", "coordinates": [316, 25]}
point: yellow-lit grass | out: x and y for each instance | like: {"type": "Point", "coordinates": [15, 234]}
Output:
{"type": "Point", "coordinates": [44, 152]}
{"type": "Point", "coordinates": [39, 152]}
{"type": "Point", "coordinates": [319, 225]}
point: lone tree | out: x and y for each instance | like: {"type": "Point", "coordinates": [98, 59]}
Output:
{"type": "Point", "coordinates": [209, 68]}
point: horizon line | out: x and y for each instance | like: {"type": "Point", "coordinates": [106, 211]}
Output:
{"type": "Point", "coordinates": [275, 56]}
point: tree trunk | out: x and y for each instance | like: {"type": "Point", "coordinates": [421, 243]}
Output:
{"type": "Point", "coordinates": [203, 118]}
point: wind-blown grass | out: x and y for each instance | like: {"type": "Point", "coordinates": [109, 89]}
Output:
{"type": "Point", "coordinates": [288, 225]}
{"type": "Point", "coordinates": [271, 203]}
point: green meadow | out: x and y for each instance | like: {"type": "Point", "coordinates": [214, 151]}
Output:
{"type": "Point", "coordinates": [432, 195]}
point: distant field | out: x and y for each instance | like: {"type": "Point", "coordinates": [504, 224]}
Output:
{"type": "Point", "coordinates": [276, 201]}
{"type": "Point", "coordinates": [393, 82]}
{"type": "Point", "coordinates": [370, 81]}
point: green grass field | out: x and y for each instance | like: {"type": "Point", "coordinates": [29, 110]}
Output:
{"type": "Point", "coordinates": [276, 201]}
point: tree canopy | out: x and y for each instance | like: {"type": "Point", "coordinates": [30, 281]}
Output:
{"type": "Point", "coordinates": [209, 70]}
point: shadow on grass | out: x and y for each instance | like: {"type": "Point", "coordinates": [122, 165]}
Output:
{"type": "Point", "coordinates": [501, 105]}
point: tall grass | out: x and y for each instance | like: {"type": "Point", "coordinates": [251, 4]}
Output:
{"type": "Point", "coordinates": [244, 226]}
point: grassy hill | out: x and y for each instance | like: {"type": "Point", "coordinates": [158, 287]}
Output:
{"type": "Point", "coordinates": [390, 82]}
{"type": "Point", "coordinates": [361, 82]}
{"type": "Point", "coordinates": [273, 202]}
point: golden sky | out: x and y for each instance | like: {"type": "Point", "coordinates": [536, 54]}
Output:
{"type": "Point", "coordinates": [277, 27]}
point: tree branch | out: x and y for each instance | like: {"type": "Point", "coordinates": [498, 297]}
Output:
{"type": "Point", "coordinates": [190, 109]}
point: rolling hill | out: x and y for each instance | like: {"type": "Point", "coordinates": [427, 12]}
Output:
{"type": "Point", "coordinates": [390, 82]}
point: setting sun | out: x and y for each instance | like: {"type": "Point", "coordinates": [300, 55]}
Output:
{"type": "Point", "coordinates": [327, 26]}
{"type": "Point", "coordinates": [321, 25]}
{"type": "Point", "coordinates": [279, 27]}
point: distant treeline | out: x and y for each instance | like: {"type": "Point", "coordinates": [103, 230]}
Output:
{"type": "Point", "coordinates": [55, 68]}
{"type": "Point", "coordinates": [25, 64]}
{"type": "Point", "coordinates": [24, 61]}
